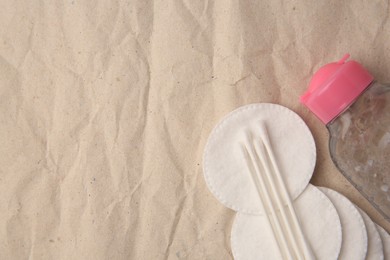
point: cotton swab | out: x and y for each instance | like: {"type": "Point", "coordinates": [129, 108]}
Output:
{"type": "Point", "coordinates": [268, 206]}
{"type": "Point", "coordinates": [266, 189]}
{"type": "Point", "coordinates": [279, 188]}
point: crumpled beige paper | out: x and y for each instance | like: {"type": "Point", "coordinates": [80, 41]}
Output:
{"type": "Point", "coordinates": [105, 107]}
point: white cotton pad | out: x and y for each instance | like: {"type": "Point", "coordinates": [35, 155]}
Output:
{"type": "Point", "coordinates": [385, 241]}
{"type": "Point", "coordinates": [252, 237]}
{"type": "Point", "coordinates": [354, 242]}
{"type": "Point", "coordinates": [224, 166]}
{"type": "Point", "coordinates": [375, 246]}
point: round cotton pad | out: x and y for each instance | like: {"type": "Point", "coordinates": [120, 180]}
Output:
{"type": "Point", "coordinates": [375, 246]}
{"type": "Point", "coordinates": [224, 165]}
{"type": "Point", "coordinates": [385, 241]}
{"type": "Point", "coordinates": [252, 237]}
{"type": "Point", "coordinates": [354, 242]}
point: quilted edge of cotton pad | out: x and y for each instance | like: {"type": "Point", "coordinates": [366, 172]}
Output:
{"type": "Point", "coordinates": [371, 224]}
{"type": "Point", "coordinates": [351, 208]}
{"type": "Point", "coordinates": [233, 244]}
{"type": "Point", "coordinates": [331, 207]}
{"type": "Point", "coordinates": [220, 124]}
{"type": "Point", "coordinates": [385, 241]}
{"type": "Point", "coordinates": [317, 191]}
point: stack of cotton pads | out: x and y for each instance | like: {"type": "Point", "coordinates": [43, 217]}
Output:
{"type": "Point", "coordinates": [258, 161]}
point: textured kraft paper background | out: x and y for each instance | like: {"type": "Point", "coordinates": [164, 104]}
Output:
{"type": "Point", "coordinates": [105, 108]}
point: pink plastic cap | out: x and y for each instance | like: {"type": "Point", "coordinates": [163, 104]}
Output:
{"type": "Point", "coordinates": [334, 87]}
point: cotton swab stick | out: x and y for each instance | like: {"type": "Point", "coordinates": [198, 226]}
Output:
{"type": "Point", "coordinates": [264, 195]}
{"type": "Point", "coordinates": [296, 234]}
{"type": "Point", "coordinates": [288, 233]}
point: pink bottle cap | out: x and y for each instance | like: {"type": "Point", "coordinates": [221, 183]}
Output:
{"type": "Point", "coordinates": [334, 87]}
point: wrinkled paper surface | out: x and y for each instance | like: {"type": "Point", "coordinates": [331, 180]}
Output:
{"type": "Point", "coordinates": [106, 106]}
